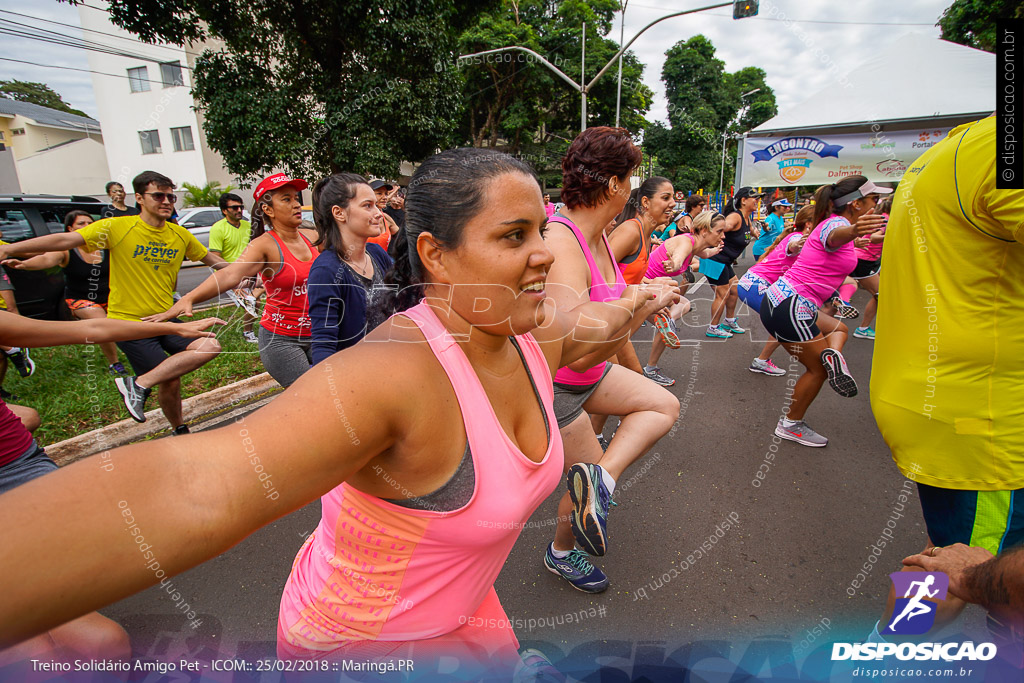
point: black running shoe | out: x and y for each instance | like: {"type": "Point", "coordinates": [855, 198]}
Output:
{"type": "Point", "coordinates": [7, 396]}
{"type": "Point", "coordinates": [179, 430]}
{"type": "Point", "coordinates": [134, 397]}
{"type": "Point", "coordinates": [22, 362]}
{"type": "Point", "coordinates": [839, 377]}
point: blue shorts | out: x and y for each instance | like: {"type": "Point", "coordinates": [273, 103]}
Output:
{"type": "Point", "coordinates": [993, 520]}
{"type": "Point", "coordinates": [29, 465]}
{"type": "Point", "coordinates": [751, 289]}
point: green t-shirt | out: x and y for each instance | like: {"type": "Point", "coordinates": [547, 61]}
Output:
{"type": "Point", "coordinates": [229, 240]}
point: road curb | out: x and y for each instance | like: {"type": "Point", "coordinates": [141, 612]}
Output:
{"type": "Point", "coordinates": [195, 409]}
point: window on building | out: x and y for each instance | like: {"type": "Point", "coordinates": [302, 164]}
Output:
{"type": "Point", "coordinates": [138, 79]}
{"type": "Point", "coordinates": [181, 138]}
{"type": "Point", "coordinates": [150, 140]}
{"type": "Point", "coordinates": [170, 74]}
{"type": "Point", "coordinates": [17, 131]}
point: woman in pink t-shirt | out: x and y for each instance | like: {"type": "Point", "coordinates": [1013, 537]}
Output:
{"type": "Point", "coordinates": [789, 310]}
{"type": "Point", "coordinates": [774, 262]}
{"type": "Point", "coordinates": [869, 263]}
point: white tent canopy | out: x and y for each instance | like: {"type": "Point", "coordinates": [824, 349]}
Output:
{"type": "Point", "coordinates": [876, 120]}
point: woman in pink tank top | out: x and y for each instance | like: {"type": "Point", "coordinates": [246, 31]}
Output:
{"type": "Point", "coordinates": [422, 500]}
{"type": "Point", "coordinates": [672, 257]}
{"type": "Point", "coordinates": [282, 253]}
{"type": "Point", "coordinates": [595, 188]}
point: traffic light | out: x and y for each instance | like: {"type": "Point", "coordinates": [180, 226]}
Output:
{"type": "Point", "coordinates": [741, 9]}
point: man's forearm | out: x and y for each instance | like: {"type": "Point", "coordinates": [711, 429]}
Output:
{"type": "Point", "coordinates": [998, 582]}
{"type": "Point", "coordinates": [39, 245]}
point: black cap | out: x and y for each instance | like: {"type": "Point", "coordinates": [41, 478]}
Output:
{"type": "Point", "coordinates": [746, 192]}
{"type": "Point", "coordinates": [377, 184]}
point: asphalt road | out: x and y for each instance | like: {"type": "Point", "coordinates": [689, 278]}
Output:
{"type": "Point", "coordinates": [785, 568]}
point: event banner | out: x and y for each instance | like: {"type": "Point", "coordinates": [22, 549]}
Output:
{"type": "Point", "coordinates": [815, 160]}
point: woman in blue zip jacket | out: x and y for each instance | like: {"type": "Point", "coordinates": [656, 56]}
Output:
{"type": "Point", "coordinates": [349, 272]}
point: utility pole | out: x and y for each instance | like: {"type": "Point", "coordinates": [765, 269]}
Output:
{"type": "Point", "coordinates": [584, 88]}
{"type": "Point", "coordinates": [622, 37]}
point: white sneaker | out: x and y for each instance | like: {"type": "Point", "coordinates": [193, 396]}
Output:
{"type": "Point", "coordinates": [766, 367]}
{"type": "Point", "coordinates": [250, 337]}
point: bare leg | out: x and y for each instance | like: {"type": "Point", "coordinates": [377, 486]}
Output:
{"type": "Point", "coordinates": [169, 395]}
{"type": "Point", "coordinates": [628, 359]}
{"type": "Point", "coordinates": [28, 416]}
{"type": "Point", "coordinates": [109, 349]}
{"type": "Point", "coordinates": [720, 303]}
{"type": "Point", "coordinates": [769, 349]}
{"type": "Point", "coordinates": [809, 384]}
{"type": "Point", "coordinates": [732, 298]}
{"type": "Point", "coordinates": [199, 353]}
{"type": "Point", "coordinates": [870, 285]}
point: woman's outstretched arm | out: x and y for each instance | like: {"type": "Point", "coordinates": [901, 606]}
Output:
{"type": "Point", "coordinates": [106, 527]}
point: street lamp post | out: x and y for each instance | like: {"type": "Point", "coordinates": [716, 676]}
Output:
{"type": "Point", "coordinates": [584, 88]}
{"type": "Point", "coordinates": [622, 37]}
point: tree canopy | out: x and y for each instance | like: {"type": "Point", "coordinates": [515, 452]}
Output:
{"type": "Point", "coordinates": [973, 22]}
{"type": "Point", "coordinates": [704, 102]}
{"type": "Point", "coordinates": [315, 86]}
{"type": "Point", "coordinates": [36, 93]}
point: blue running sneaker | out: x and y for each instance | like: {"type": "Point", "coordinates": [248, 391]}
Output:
{"type": "Point", "coordinates": [591, 500]}
{"type": "Point", "coordinates": [577, 570]}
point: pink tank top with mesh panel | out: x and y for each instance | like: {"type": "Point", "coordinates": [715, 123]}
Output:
{"type": "Point", "coordinates": [374, 571]}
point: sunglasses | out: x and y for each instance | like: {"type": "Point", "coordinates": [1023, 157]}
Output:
{"type": "Point", "coordinates": [237, 207]}
{"type": "Point", "coordinates": [162, 197]}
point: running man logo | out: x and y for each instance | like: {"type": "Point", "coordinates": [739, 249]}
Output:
{"type": "Point", "coordinates": [795, 155]}
{"type": "Point", "coordinates": [914, 612]}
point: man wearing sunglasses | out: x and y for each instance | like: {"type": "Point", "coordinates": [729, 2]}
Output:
{"type": "Point", "coordinates": [146, 252]}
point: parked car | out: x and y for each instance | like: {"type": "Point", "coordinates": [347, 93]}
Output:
{"type": "Point", "coordinates": [198, 220]}
{"type": "Point", "coordinates": [40, 294]}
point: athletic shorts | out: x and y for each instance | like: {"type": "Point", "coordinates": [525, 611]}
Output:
{"type": "Point", "coordinates": [794, 320]}
{"type": "Point", "coordinates": [993, 520]}
{"type": "Point", "coordinates": [751, 289]}
{"type": "Point", "coordinates": [146, 354]}
{"type": "Point", "coordinates": [77, 304]}
{"type": "Point", "coordinates": [29, 465]}
{"type": "Point", "coordinates": [724, 277]}
{"type": "Point", "coordinates": [866, 269]}
{"type": "Point", "coordinates": [569, 398]}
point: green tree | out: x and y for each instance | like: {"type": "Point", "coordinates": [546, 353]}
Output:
{"type": "Point", "coordinates": [514, 102]}
{"type": "Point", "coordinates": [973, 22]}
{"type": "Point", "coordinates": [316, 86]}
{"type": "Point", "coordinates": [704, 102]}
{"type": "Point", "coordinates": [36, 93]}
{"type": "Point", "coordinates": [205, 195]}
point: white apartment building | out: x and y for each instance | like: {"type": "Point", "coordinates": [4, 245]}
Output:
{"type": "Point", "coordinates": [145, 105]}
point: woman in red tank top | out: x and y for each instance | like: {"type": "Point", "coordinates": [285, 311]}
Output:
{"type": "Point", "coordinates": [282, 253]}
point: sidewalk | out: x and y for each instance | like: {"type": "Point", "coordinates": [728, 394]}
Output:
{"type": "Point", "coordinates": [213, 407]}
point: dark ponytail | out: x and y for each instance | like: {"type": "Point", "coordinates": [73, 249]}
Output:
{"type": "Point", "coordinates": [445, 193]}
{"type": "Point", "coordinates": [826, 194]}
{"type": "Point", "coordinates": [634, 206]}
{"type": "Point", "coordinates": [259, 220]}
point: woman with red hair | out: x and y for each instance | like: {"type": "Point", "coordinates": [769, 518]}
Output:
{"type": "Point", "coordinates": [595, 187]}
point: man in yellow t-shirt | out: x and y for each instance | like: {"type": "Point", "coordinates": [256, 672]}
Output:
{"type": "Point", "coordinates": [947, 378]}
{"type": "Point", "coordinates": [146, 252]}
{"type": "Point", "coordinates": [229, 237]}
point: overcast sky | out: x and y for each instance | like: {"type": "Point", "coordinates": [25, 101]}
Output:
{"type": "Point", "coordinates": [846, 33]}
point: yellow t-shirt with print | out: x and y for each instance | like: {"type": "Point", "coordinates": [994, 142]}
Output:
{"type": "Point", "coordinates": [229, 240]}
{"type": "Point", "coordinates": [947, 379]}
{"type": "Point", "coordinates": [144, 262]}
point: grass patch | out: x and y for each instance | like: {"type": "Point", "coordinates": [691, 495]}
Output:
{"type": "Point", "coordinates": [74, 394]}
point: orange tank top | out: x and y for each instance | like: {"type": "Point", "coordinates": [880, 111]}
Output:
{"type": "Point", "coordinates": [633, 271]}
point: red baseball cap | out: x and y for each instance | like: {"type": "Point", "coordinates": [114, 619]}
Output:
{"type": "Point", "coordinates": [275, 181]}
